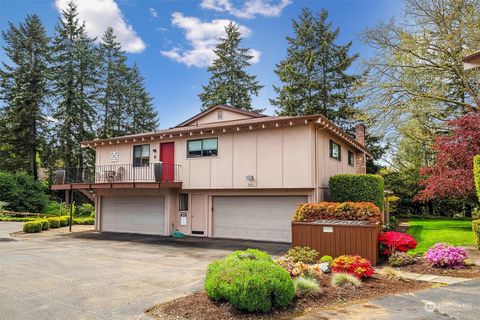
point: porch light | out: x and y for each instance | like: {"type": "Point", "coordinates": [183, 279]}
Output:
{"type": "Point", "coordinates": [249, 178]}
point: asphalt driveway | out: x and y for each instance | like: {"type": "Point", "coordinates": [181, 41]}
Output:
{"type": "Point", "coordinates": [90, 275]}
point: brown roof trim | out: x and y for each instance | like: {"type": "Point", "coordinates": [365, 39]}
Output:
{"type": "Point", "coordinates": [224, 107]}
{"type": "Point", "coordinates": [235, 124]}
{"type": "Point", "coordinates": [471, 57]}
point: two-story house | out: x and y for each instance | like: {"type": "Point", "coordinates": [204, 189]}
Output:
{"type": "Point", "coordinates": [224, 173]}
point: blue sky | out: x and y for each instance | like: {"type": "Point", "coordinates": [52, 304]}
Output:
{"type": "Point", "coordinates": [171, 40]}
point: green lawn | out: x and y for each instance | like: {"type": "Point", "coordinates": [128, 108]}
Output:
{"type": "Point", "coordinates": [430, 231]}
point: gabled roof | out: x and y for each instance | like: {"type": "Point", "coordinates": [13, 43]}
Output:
{"type": "Point", "coordinates": [191, 120]}
{"type": "Point", "coordinates": [258, 123]}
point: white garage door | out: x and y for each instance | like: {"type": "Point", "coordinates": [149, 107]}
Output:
{"type": "Point", "coordinates": [256, 218]}
{"type": "Point", "coordinates": [133, 214]}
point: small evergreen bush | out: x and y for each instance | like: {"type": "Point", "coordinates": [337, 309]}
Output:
{"type": "Point", "coordinates": [63, 221]}
{"type": "Point", "coordinates": [85, 221]}
{"type": "Point", "coordinates": [476, 232]}
{"type": "Point", "coordinates": [400, 259]}
{"type": "Point", "coordinates": [325, 259]}
{"type": "Point", "coordinates": [32, 226]}
{"type": "Point", "coordinates": [45, 224]}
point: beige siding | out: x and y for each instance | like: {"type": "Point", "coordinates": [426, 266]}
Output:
{"type": "Point", "coordinates": [227, 116]}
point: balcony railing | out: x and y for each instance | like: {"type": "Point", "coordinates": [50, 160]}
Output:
{"type": "Point", "coordinates": [118, 173]}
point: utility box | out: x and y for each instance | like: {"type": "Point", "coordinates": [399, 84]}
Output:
{"type": "Point", "coordinates": [338, 237]}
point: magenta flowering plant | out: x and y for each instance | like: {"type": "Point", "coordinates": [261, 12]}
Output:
{"type": "Point", "coordinates": [444, 255]}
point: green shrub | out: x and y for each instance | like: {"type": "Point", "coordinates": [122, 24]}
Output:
{"type": "Point", "coordinates": [306, 286]}
{"type": "Point", "coordinates": [45, 224]}
{"type": "Point", "coordinates": [63, 221]}
{"type": "Point", "coordinates": [22, 192]}
{"type": "Point", "coordinates": [325, 259]}
{"type": "Point", "coordinates": [85, 209]}
{"type": "Point", "coordinates": [250, 285]}
{"type": "Point", "coordinates": [302, 254]}
{"type": "Point", "coordinates": [476, 174]}
{"type": "Point", "coordinates": [249, 254]}
{"type": "Point", "coordinates": [32, 226]}
{"type": "Point", "coordinates": [357, 188]}
{"type": "Point", "coordinates": [89, 221]}
{"type": "Point", "coordinates": [54, 222]}
{"type": "Point", "coordinates": [400, 259]}
{"type": "Point", "coordinates": [476, 231]}
{"type": "Point", "coordinates": [17, 219]}
{"type": "Point", "coordinates": [54, 208]}
{"type": "Point", "coordinates": [345, 280]}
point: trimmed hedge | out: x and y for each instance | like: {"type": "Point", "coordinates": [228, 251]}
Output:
{"type": "Point", "coordinates": [45, 224]}
{"type": "Point", "coordinates": [357, 188]}
{"type": "Point", "coordinates": [476, 231]}
{"type": "Point", "coordinates": [363, 211]}
{"type": "Point", "coordinates": [63, 221]}
{"type": "Point", "coordinates": [249, 281]}
{"type": "Point", "coordinates": [54, 222]}
{"type": "Point", "coordinates": [87, 221]}
{"type": "Point", "coordinates": [476, 173]}
{"type": "Point", "coordinates": [32, 226]}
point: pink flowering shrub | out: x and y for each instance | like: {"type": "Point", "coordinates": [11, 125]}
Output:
{"type": "Point", "coordinates": [443, 255]}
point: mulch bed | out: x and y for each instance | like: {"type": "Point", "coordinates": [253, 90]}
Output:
{"type": "Point", "coordinates": [198, 306]}
{"type": "Point", "coordinates": [422, 267]}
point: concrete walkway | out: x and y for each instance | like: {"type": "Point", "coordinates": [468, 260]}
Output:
{"type": "Point", "coordinates": [457, 301]}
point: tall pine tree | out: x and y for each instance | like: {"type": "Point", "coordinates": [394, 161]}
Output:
{"type": "Point", "coordinates": [24, 93]}
{"type": "Point", "coordinates": [75, 82]}
{"type": "Point", "coordinates": [142, 115]}
{"type": "Point", "coordinates": [314, 74]}
{"type": "Point", "coordinates": [229, 83]}
{"type": "Point", "coordinates": [115, 87]}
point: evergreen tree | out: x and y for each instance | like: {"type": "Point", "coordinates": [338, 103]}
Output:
{"type": "Point", "coordinates": [75, 83]}
{"type": "Point", "coordinates": [314, 73]}
{"type": "Point", "coordinates": [142, 115]}
{"type": "Point", "coordinates": [229, 83]}
{"type": "Point", "coordinates": [23, 89]}
{"type": "Point", "coordinates": [115, 88]}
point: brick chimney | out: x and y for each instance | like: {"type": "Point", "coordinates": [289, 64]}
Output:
{"type": "Point", "coordinates": [360, 133]}
{"type": "Point", "coordinates": [361, 156]}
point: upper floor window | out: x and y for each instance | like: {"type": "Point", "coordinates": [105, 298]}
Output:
{"type": "Point", "coordinates": [335, 151]}
{"type": "Point", "coordinates": [351, 158]}
{"type": "Point", "coordinates": [220, 114]}
{"type": "Point", "coordinates": [141, 155]}
{"type": "Point", "coordinates": [202, 148]}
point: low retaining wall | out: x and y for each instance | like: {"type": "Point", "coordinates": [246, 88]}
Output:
{"type": "Point", "coordinates": [336, 239]}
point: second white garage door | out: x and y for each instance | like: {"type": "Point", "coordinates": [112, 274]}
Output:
{"type": "Point", "coordinates": [144, 215]}
{"type": "Point", "coordinates": [255, 218]}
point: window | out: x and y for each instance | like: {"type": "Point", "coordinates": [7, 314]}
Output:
{"type": "Point", "coordinates": [351, 158]}
{"type": "Point", "coordinates": [141, 155]}
{"type": "Point", "coordinates": [183, 202]}
{"type": "Point", "coordinates": [202, 148]}
{"type": "Point", "coordinates": [335, 151]}
{"type": "Point", "coordinates": [220, 115]}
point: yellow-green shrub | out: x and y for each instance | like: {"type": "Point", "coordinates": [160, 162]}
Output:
{"type": "Point", "coordinates": [54, 222]}
{"type": "Point", "coordinates": [357, 188]}
{"type": "Point", "coordinates": [32, 226]}
{"type": "Point", "coordinates": [476, 173]}
{"type": "Point", "coordinates": [363, 211]}
{"type": "Point", "coordinates": [476, 231]}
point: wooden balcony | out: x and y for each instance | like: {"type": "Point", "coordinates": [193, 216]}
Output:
{"type": "Point", "coordinates": [118, 176]}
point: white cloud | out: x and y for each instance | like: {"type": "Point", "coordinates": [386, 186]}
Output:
{"type": "Point", "coordinates": [101, 14]}
{"type": "Point", "coordinates": [202, 37]}
{"type": "Point", "coordinates": [153, 12]}
{"type": "Point", "coordinates": [250, 8]}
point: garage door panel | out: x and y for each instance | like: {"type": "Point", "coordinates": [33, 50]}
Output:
{"type": "Point", "coordinates": [259, 218]}
{"type": "Point", "coordinates": [144, 215]}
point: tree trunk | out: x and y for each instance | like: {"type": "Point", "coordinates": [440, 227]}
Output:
{"type": "Point", "coordinates": [468, 209]}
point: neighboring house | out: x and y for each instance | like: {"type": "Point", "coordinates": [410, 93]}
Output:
{"type": "Point", "coordinates": [471, 61]}
{"type": "Point", "coordinates": [224, 173]}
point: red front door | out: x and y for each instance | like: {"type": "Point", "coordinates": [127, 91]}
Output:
{"type": "Point", "coordinates": [167, 151]}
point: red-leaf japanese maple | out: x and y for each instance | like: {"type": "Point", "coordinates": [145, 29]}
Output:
{"type": "Point", "coordinates": [452, 174]}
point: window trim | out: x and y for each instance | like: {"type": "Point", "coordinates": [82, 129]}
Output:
{"type": "Point", "coordinates": [141, 158]}
{"type": "Point", "coordinates": [353, 158]}
{"type": "Point", "coordinates": [330, 150]}
{"type": "Point", "coordinates": [201, 156]}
